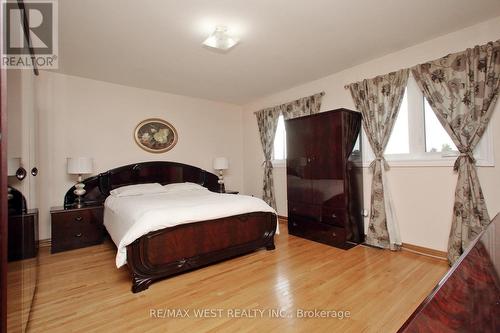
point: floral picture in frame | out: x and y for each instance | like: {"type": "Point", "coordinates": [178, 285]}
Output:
{"type": "Point", "coordinates": [155, 135]}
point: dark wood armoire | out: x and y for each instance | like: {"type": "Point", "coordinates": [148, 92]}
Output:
{"type": "Point", "coordinates": [324, 178]}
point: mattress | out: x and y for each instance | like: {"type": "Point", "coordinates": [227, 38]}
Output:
{"type": "Point", "coordinates": [127, 218]}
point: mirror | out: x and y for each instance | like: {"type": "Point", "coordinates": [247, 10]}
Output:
{"type": "Point", "coordinates": [22, 222]}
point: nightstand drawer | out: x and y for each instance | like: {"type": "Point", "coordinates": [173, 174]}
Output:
{"type": "Point", "coordinates": [76, 240]}
{"type": "Point", "coordinates": [77, 218]}
{"type": "Point", "coordinates": [62, 229]}
{"type": "Point", "coordinates": [76, 228]}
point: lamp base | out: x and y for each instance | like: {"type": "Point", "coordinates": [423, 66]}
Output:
{"type": "Point", "coordinates": [79, 192]}
{"type": "Point", "coordinates": [222, 189]}
{"type": "Point", "coordinates": [78, 202]}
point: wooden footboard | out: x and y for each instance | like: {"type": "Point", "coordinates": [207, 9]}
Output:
{"type": "Point", "coordinates": [185, 247]}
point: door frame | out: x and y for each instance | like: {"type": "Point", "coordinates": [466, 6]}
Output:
{"type": "Point", "coordinates": [3, 186]}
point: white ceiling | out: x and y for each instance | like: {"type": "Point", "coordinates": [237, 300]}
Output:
{"type": "Point", "coordinates": [156, 44]}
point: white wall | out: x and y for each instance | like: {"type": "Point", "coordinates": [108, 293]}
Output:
{"type": "Point", "coordinates": [423, 196]}
{"type": "Point", "coordinates": [82, 117]}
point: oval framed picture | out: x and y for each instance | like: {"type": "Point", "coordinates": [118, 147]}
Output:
{"type": "Point", "coordinates": [155, 135]}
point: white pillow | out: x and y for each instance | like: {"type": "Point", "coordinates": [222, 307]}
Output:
{"type": "Point", "coordinates": [138, 189]}
{"type": "Point", "coordinates": [178, 187]}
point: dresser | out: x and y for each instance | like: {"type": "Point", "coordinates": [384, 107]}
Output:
{"type": "Point", "coordinates": [74, 228]}
{"type": "Point", "coordinates": [467, 299]}
{"type": "Point", "coordinates": [324, 178]}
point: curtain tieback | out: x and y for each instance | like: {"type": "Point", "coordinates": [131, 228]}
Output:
{"type": "Point", "coordinates": [466, 156]}
{"type": "Point", "coordinates": [382, 161]}
{"type": "Point", "coordinates": [267, 164]}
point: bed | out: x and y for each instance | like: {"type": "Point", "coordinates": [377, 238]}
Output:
{"type": "Point", "coordinates": [170, 250]}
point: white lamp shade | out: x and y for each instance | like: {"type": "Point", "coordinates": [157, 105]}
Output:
{"type": "Point", "coordinates": [221, 163]}
{"type": "Point", "coordinates": [12, 165]}
{"type": "Point", "coordinates": [80, 165]}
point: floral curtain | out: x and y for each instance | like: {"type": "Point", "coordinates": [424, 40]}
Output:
{"type": "Point", "coordinates": [267, 120]}
{"type": "Point", "coordinates": [379, 100]}
{"type": "Point", "coordinates": [462, 89]}
{"type": "Point", "coordinates": [302, 107]}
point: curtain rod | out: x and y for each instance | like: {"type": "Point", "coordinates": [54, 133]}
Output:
{"type": "Point", "coordinates": [410, 74]}
{"type": "Point", "coordinates": [409, 68]}
{"type": "Point", "coordinates": [321, 93]}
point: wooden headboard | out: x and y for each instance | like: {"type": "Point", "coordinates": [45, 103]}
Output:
{"type": "Point", "coordinates": [98, 187]}
{"type": "Point", "coordinates": [17, 202]}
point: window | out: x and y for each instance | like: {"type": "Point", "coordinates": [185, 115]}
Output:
{"type": "Point", "coordinates": [279, 151]}
{"type": "Point", "coordinates": [419, 139]}
{"type": "Point", "coordinates": [357, 146]}
{"type": "Point", "coordinates": [399, 142]}
{"type": "Point", "coordinates": [436, 138]}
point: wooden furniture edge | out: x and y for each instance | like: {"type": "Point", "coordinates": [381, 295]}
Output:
{"type": "Point", "coordinates": [3, 185]}
{"type": "Point", "coordinates": [444, 279]}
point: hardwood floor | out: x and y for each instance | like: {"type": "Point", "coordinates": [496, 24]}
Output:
{"type": "Point", "coordinates": [82, 291]}
{"type": "Point", "coordinates": [21, 279]}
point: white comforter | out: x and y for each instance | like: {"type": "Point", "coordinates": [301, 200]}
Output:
{"type": "Point", "coordinates": [130, 217]}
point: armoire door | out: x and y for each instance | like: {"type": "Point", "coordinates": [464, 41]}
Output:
{"type": "Point", "coordinates": [299, 137]}
{"type": "Point", "coordinates": [327, 166]}
{"type": "Point", "coordinates": [17, 153]}
{"type": "Point", "coordinates": [319, 205]}
{"type": "Point", "coordinates": [3, 188]}
{"type": "Point", "coordinates": [22, 148]}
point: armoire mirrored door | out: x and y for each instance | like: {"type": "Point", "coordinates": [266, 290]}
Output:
{"type": "Point", "coordinates": [22, 175]}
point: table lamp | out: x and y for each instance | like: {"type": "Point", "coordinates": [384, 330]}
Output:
{"type": "Point", "coordinates": [80, 166]}
{"type": "Point", "coordinates": [221, 164]}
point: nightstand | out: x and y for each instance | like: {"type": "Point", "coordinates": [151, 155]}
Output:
{"type": "Point", "coordinates": [23, 235]}
{"type": "Point", "coordinates": [74, 228]}
{"type": "Point", "coordinates": [231, 192]}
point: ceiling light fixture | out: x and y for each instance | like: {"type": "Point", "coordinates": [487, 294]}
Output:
{"type": "Point", "coordinates": [220, 39]}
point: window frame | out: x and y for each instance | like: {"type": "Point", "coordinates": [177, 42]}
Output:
{"type": "Point", "coordinates": [418, 155]}
{"type": "Point", "coordinates": [483, 154]}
